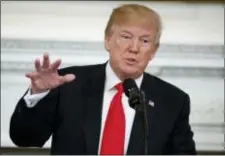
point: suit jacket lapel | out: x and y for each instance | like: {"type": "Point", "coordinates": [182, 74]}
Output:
{"type": "Point", "coordinates": [136, 144]}
{"type": "Point", "coordinates": [93, 99]}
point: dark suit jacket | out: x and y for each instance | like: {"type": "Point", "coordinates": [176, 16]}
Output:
{"type": "Point", "coordinates": [72, 112]}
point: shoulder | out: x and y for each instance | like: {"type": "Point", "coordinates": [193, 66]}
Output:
{"type": "Point", "coordinates": [82, 69]}
{"type": "Point", "coordinates": [83, 73]}
{"type": "Point", "coordinates": [169, 97]}
{"type": "Point", "coordinates": [166, 88]}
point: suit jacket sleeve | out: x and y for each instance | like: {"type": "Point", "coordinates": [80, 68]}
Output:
{"type": "Point", "coordinates": [32, 127]}
{"type": "Point", "coordinates": [182, 138]}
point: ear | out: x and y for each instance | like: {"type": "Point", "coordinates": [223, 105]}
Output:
{"type": "Point", "coordinates": [107, 43]}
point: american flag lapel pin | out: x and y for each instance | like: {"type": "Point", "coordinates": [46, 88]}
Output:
{"type": "Point", "coordinates": [151, 103]}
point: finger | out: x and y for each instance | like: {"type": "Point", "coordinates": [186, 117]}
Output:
{"type": "Point", "coordinates": [69, 77]}
{"type": "Point", "coordinates": [32, 75]}
{"type": "Point", "coordinates": [54, 66]}
{"type": "Point", "coordinates": [66, 78]}
{"type": "Point", "coordinates": [46, 61]}
{"type": "Point", "coordinates": [37, 65]}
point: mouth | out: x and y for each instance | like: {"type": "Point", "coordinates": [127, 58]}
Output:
{"type": "Point", "coordinates": [130, 61]}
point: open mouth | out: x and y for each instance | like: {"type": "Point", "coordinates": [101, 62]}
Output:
{"type": "Point", "coordinates": [130, 61]}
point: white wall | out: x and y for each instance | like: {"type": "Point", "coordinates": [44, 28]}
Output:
{"type": "Point", "coordinates": [191, 53]}
{"type": "Point", "coordinates": [75, 20]}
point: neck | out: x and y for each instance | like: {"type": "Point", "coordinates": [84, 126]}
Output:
{"type": "Point", "coordinates": [122, 76]}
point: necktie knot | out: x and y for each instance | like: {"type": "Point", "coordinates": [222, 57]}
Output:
{"type": "Point", "coordinates": [119, 87]}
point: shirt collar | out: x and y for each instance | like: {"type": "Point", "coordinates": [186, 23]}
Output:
{"type": "Point", "coordinates": [112, 79]}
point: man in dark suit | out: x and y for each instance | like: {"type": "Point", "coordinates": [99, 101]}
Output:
{"type": "Point", "coordinates": [90, 114]}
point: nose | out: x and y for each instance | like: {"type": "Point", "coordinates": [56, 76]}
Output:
{"type": "Point", "coordinates": [134, 46]}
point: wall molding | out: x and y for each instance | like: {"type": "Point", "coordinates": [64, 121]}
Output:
{"type": "Point", "coordinates": [165, 50]}
{"type": "Point", "coordinates": [23, 67]}
{"type": "Point", "coordinates": [170, 60]}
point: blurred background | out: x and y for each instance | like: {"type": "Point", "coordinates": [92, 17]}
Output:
{"type": "Point", "coordinates": [191, 55]}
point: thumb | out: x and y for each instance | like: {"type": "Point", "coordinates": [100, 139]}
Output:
{"type": "Point", "coordinates": [67, 78]}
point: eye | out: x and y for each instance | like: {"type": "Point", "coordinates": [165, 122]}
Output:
{"type": "Point", "coordinates": [145, 41]}
{"type": "Point", "coordinates": [126, 37]}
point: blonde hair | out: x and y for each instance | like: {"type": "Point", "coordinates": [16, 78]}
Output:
{"type": "Point", "coordinates": [125, 12]}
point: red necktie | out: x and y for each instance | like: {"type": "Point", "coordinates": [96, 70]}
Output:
{"type": "Point", "coordinates": [114, 130]}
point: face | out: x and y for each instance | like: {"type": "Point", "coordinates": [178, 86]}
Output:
{"type": "Point", "coordinates": [131, 46]}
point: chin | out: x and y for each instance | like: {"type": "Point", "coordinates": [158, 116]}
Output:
{"type": "Point", "coordinates": [129, 72]}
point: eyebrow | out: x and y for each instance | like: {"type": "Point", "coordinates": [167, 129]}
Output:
{"type": "Point", "coordinates": [125, 31]}
{"type": "Point", "coordinates": [143, 36]}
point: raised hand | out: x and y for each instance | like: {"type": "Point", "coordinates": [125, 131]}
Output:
{"type": "Point", "coordinates": [46, 76]}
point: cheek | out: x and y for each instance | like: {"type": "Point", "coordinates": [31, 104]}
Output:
{"type": "Point", "coordinates": [121, 48]}
{"type": "Point", "coordinates": [148, 56]}
{"type": "Point", "coordinates": [145, 58]}
{"type": "Point", "coordinates": [119, 51]}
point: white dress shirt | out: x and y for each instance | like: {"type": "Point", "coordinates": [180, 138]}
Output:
{"type": "Point", "coordinates": [109, 92]}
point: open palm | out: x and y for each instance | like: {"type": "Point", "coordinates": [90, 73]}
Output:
{"type": "Point", "coordinates": [46, 76]}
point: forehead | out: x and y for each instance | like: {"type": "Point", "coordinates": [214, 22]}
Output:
{"type": "Point", "coordinates": [136, 28]}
